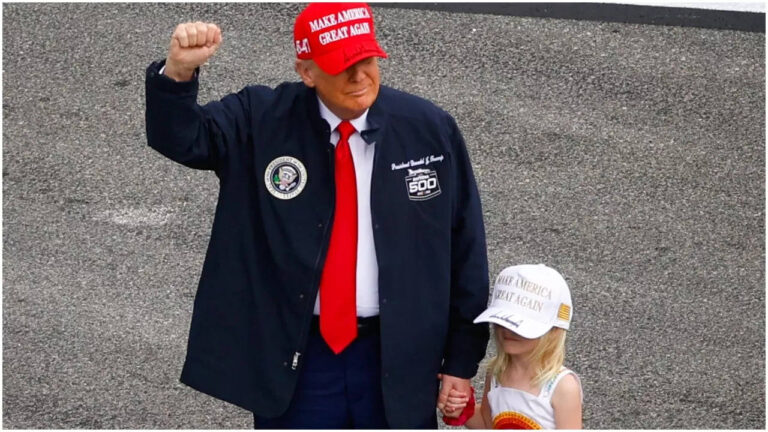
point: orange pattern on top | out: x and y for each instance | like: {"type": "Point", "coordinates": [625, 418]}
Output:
{"type": "Point", "coordinates": [514, 420]}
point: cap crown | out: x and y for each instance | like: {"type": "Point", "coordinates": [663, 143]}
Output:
{"type": "Point", "coordinates": [335, 35]}
{"type": "Point", "coordinates": [534, 293]}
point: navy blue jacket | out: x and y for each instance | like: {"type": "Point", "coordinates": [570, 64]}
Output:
{"type": "Point", "coordinates": [262, 269]}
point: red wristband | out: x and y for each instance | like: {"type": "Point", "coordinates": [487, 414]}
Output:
{"type": "Point", "coordinates": [466, 413]}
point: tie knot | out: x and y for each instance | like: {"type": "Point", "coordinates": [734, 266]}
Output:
{"type": "Point", "coordinates": [346, 129]}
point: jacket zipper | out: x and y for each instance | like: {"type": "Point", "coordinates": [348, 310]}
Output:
{"type": "Point", "coordinates": [323, 248]}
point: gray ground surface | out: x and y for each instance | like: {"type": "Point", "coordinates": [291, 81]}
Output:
{"type": "Point", "coordinates": [630, 157]}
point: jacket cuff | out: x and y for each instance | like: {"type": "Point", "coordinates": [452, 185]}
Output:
{"type": "Point", "coordinates": [465, 351]}
{"type": "Point", "coordinates": [166, 84]}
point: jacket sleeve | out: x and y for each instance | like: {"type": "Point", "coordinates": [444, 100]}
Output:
{"type": "Point", "coordinates": [467, 342]}
{"type": "Point", "coordinates": [196, 136]}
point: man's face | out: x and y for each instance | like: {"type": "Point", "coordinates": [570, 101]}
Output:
{"type": "Point", "coordinates": [349, 93]}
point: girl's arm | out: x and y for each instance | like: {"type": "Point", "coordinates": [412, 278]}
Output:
{"type": "Point", "coordinates": [566, 401]}
{"type": "Point", "coordinates": [482, 417]}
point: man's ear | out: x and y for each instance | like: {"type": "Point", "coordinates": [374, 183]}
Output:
{"type": "Point", "coordinates": [304, 69]}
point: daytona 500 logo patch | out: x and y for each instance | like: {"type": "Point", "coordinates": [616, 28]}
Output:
{"type": "Point", "coordinates": [422, 184]}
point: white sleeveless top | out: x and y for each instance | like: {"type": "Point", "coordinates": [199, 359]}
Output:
{"type": "Point", "coordinates": [517, 409]}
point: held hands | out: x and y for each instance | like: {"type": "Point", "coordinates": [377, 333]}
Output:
{"type": "Point", "coordinates": [454, 395]}
{"type": "Point", "coordinates": [192, 44]}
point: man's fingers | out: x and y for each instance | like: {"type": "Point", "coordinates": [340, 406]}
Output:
{"type": "Point", "coordinates": [191, 32]}
{"type": "Point", "coordinates": [442, 398]}
{"type": "Point", "coordinates": [453, 405]}
{"type": "Point", "coordinates": [175, 42]}
{"type": "Point", "coordinates": [217, 39]}
{"type": "Point", "coordinates": [445, 391]}
{"type": "Point", "coordinates": [197, 35]}
{"type": "Point", "coordinates": [180, 34]}
{"type": "Point", "coordinates": [210, 35]}
{"type": "Point", "coordinates": [457, 400]}
{"type": "Point", "coordinates": [216, 35]}
{"type": "Point", "coordinates": [192, 35]}
{"type": "Point", "coordinates": [451, 401]}
{"type": "Point", "coordinates": [192, 44]}
{"type": "Point", "coordinates": [201, 33]}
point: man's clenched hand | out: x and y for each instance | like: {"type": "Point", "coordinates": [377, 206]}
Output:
{"type": "Point", "coordinates": [192, 44]}
{"type": "Point", "coordinates": [454, 394]}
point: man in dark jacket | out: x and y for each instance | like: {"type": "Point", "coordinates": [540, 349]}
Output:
{"type": "Point", "coordinates": [347, 258]}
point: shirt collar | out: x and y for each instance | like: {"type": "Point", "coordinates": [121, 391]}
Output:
{"type": "Point", "coordinates": [360, 123]}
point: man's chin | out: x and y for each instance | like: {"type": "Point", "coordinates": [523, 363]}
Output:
{"type": "Point", "coordinates": [358, 107]}
{"type": "Point", "coordinates": [364, 101]}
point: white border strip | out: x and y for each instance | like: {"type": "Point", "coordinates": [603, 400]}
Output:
{"type": "Point", "coordinates": [749, 6]}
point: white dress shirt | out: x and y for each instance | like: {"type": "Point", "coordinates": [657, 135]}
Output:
{"type": "Point", "coordinates": [367, 281]}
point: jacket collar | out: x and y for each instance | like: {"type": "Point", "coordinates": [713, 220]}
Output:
{"type": "Point", "coordinates": [307, 96]}
{"type": "Point", "coordinates": [377, 120]}
{"type": "Point", "coordinates": [360, 124]}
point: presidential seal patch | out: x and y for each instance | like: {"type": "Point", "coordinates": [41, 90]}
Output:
{"type": "Point", "coordinates": [285, 177]}
{"type": "Point", "coordinates": [422, 184]}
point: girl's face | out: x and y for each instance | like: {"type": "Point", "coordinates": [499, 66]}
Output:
{"type": "Point", "coordinates": [514, 344]}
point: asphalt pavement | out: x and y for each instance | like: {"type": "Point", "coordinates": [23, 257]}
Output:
{"type": "Point", "coordinates": [630, 157]}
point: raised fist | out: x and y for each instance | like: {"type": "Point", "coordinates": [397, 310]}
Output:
{"type": "Point", "coordinates": [192, 44]}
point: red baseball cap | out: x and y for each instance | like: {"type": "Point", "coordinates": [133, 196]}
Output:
{"type": "Point", "coordinates": [336, 35]}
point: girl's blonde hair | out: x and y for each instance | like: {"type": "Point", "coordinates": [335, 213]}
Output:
{"type": "Point", "coordinates": [547, 357]}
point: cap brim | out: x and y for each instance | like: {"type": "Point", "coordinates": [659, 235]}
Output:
{"type": "Point", "coordinates": [519, 324]}
{"type": "Point", "coordinates": [335, 62]}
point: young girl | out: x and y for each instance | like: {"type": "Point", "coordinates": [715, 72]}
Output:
{"type": "Point", "coordinates": [527, 386]}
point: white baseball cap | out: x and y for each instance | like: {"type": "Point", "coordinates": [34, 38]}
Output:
{"type": "Point", "coordinates": [529, 299]}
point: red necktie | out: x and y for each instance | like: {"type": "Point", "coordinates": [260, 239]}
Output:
{"type": "Point", "coordinates": [338, 306]}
